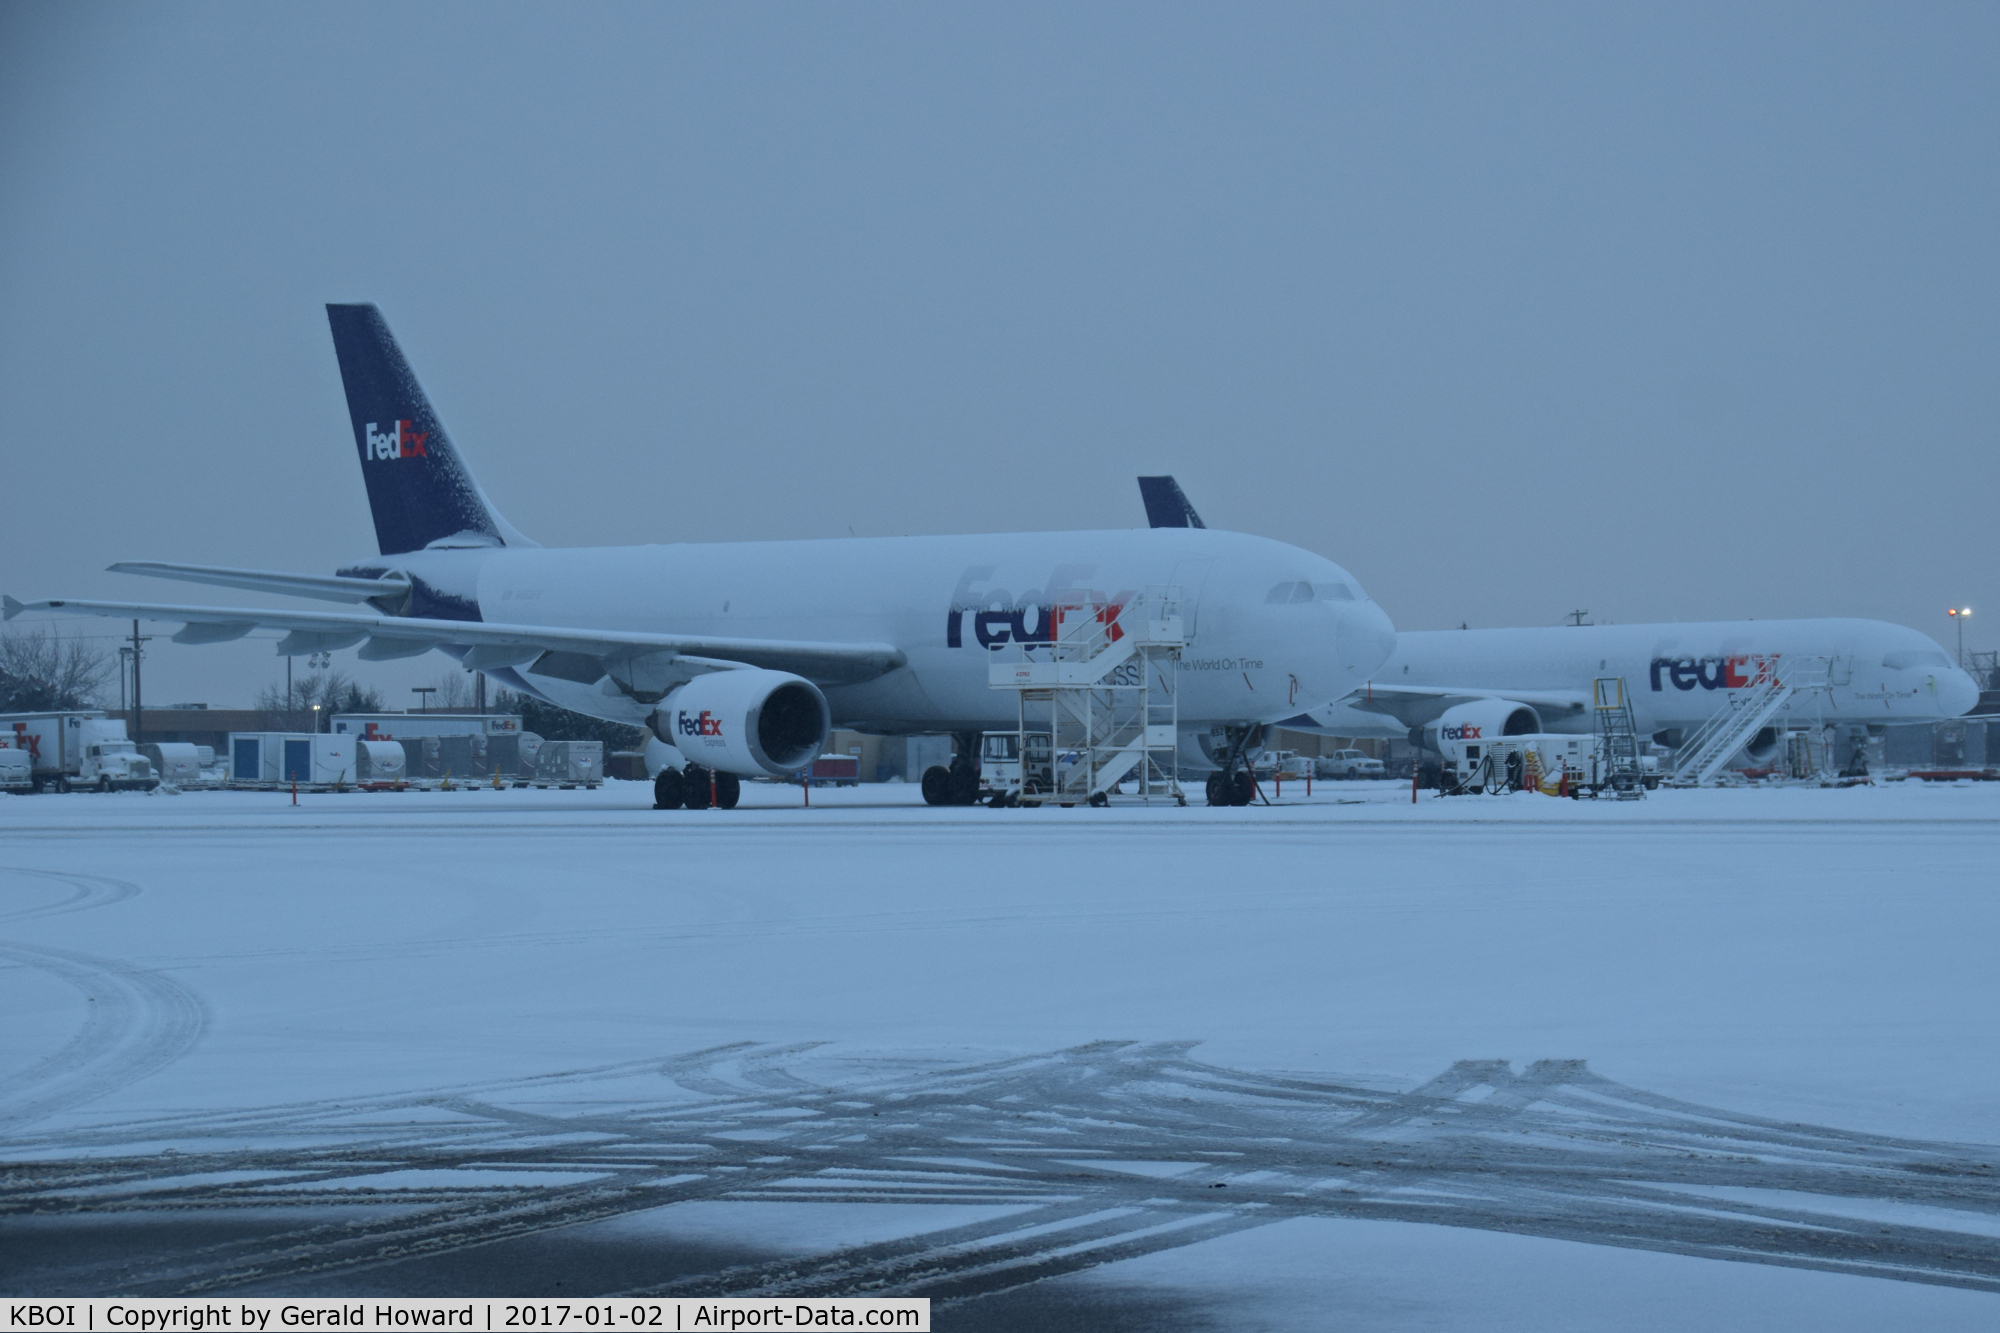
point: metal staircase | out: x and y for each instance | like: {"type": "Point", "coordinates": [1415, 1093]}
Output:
{"type": "Point", "coordinates": [1106, 678]}
{"type": "Point", "coordinates": [1702, 755]}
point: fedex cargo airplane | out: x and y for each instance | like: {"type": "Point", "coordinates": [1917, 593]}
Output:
{"type": "Point", "coordinates": [744, 655]}
{"type": "Point", "coordinates": [1509, 682]}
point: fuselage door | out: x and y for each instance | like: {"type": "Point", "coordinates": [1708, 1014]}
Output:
{"type": "Point", "coordinates": [1189, 575]}
{"type": "Point", "coordinates": [1840, 669]}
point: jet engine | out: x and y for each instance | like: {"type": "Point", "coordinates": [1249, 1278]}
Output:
{"type": "Point", "coordinates": [750, 722]}
{"type": "Point", "coordinates": [1475, 723]}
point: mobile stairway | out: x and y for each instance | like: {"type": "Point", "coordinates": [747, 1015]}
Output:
{"type": "Point", "coordinates": [1774, 689]}
{"type": "Point", "coordinates": [1105, 681]}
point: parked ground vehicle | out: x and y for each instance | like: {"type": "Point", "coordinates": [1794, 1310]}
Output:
{"type": "Point", "coordinates": [83, 748]}
{"type": "Point", "coordinates": [835, 770]}
{"type": "Point", "coordinates": [1000, 762]}
{"type": "Point", "coordinates": [1347, 764]}
{"type": "Point", "coordinates": [17, 772]}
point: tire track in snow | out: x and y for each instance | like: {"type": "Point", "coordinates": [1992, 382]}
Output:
{"type": "Point", "coordinates": [136, 1021]}
{"type": "Point", "coordinates": [1080, 1157]}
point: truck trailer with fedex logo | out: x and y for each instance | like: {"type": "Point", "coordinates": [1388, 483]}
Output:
{"type": "Point", "coordinates": [79, 749]}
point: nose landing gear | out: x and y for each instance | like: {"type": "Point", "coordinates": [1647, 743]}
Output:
{"type": "Point", "coordinates": [1234, 785]}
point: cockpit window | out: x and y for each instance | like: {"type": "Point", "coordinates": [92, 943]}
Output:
{"type": "Point", "coordinates": [1915, 657]}
{"type": "Point", "coordinates": [1294, 593]}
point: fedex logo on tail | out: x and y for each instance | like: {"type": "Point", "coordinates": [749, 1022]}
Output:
{"type": "Point", "coordinates": [1715, 673]}
{"type": "Point", "coordinates": [403, 441]}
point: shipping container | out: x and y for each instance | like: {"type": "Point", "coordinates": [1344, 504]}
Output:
{"type": "Point", "coordinates": [403, 726]}
{"type": "Point", "coordinates": [175, 762]}
{"type": "Point", "coordinates": [380, 761]}
{"type": "Point", "coordinates": [570, 761]}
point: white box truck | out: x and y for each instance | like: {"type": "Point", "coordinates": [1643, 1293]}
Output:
{"type": "Point", "coordinates": [81, 748]}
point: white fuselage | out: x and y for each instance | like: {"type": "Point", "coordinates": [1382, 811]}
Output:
{"type": "Point", "coordinates": [950, 605]}
{"type": "Point", "coordinates": [1677, 675]}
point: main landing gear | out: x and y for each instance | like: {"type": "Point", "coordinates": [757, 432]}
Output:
{"type": "Point", "coordinates": [959, 784]}
{"type": "Point", "coordinates": [696, 788]}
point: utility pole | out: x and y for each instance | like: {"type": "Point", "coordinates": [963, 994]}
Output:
{"type": "Point", "coordinates": [1576, 617]}
{"type": "Point", "coordinates": [138, 709]}
{"type": "Point", "coordinates": [423, 693]}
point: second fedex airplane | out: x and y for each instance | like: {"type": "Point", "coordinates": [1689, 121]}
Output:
{"type": "Point", "coordinates": [1446, 686]}
{"type": "Point", "coordinates": [744, 655]}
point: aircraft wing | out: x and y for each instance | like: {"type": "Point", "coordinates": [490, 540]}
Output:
{"type": "Point", "coordinates": [581, 655]}
{"type": "Point", "coordinates": [1415, 705]}
{"type": "Point", "coordinates": [325, 587]}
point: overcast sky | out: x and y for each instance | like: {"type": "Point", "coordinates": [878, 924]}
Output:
{"type": "Point", "coordinates": [1663, 311]}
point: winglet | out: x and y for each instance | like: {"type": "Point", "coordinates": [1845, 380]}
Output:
{"type": "Point", "coordinates": [1166, 506]}
{"type": "Point", "coordinates": [13, 606]}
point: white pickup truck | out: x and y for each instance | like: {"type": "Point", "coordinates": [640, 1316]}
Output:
{"type": "Point", "coordinates": [78, 749]}
{"type": "Point", "coordinates": [1347, 764]}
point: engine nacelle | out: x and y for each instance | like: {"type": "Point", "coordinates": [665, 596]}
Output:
{"type": "Point", "coordinates": [748, 722]}
{"type": "Point", "coordinates": [1476, 723]}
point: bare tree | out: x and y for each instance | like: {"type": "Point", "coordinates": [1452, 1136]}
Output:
{"type": "Point", "coordinates": [452, 691]}
{"type": "Point", "coordinates": [40, 671]}
{"type": "Point", "coordinates": [333, 690]}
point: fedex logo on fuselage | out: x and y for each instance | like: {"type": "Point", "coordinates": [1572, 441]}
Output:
{"type": "Point", "coordinates": [1462, 732]}
{"type": "Point", "coordinates": [402, 441]}
{"type": "Point", "coordinates": [703, 723]}
{"type": "Point", "coordinates": [997, 616]}
{"type": "Point", "coordinates": [1715, 673]}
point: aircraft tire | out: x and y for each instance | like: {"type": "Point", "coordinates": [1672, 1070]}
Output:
{"type": "Point", "coordinates": [1216, 795]}
{"type": "Point", "coordinates": [728, 791]}
{"type": "Point", "coordinates": [667, 790]}
{"type": "Point", "coordinates": [1242, 788]}
{"type": "Point", "coordinates": [964, 787]}
{"type": "Point", "coordinates": [937, 785]}
{"type": "Point", "coordinates": [694, 787]}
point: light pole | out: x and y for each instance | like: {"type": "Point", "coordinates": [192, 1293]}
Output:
{"type": "Point", "coordinates": [1959, 615]}
{"type": "Point", "coordinates": [315, 719]}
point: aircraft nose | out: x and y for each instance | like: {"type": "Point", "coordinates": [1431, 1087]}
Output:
{"type": "Point", "coordinates": [1366, 637]}
{"type": "Point", "coordinates": [1957, 693]}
